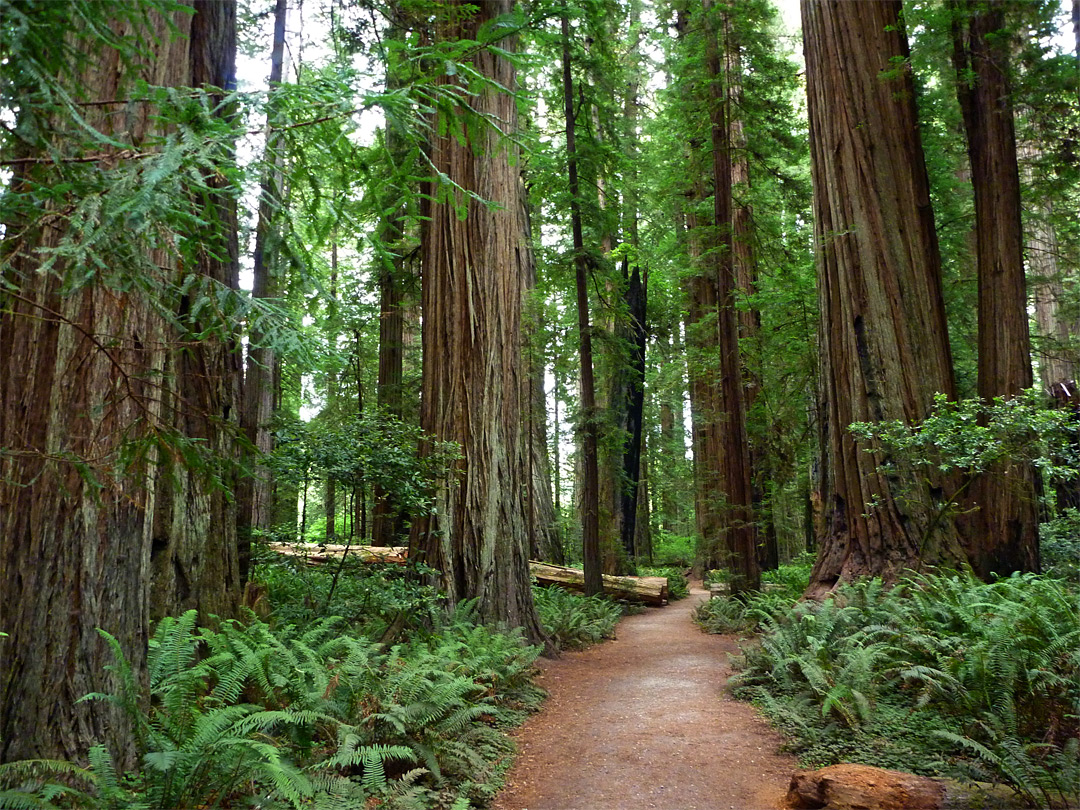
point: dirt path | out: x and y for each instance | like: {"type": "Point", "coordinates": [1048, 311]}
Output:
{"type": "Point", "coordinates": [643, 722]}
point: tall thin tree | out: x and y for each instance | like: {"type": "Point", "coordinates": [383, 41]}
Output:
{"type": "Point", "coordinates": [590, 507]}
{"type": "Point", "coordinates": [1005, 528]}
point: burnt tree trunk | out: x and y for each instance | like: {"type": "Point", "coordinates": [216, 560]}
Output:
{"type": "Point", "coordinates": [1004, 534]}
{"type": "Point", "coordinates": [90, 529]}
{"type": "Point", "coordinates": [475, 387]}
{"type": "Point", "coordinates": [884, 344]}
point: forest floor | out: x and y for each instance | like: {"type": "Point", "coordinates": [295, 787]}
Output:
{"type": "Point", "coordinates": [644, 722]}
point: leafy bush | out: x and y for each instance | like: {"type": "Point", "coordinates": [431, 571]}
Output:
{"type": "Point", "coordinates": [1060, 545]}
{"type": "Point", "coordinates": [370, 597]}
{"type": "Point", "coordinates": [939, 674]}
{"type": "Point", "coordinates": [673, 550]}
{"type": "Point", "coordinates": [678, 585]}
{"type": "Point", "coordinates": [575, 621]}
{"type": "Point", "coordinates": [741, 614]}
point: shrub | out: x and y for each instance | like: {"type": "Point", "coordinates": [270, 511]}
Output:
{"type": "Point", "coordinates": [575, 621]}
{"type": "Point", "coordinates": [673, 550]}
{"type": "Point", "coordinates": [941, 673]}
{"type": "Point", "coordinates": [301, 716]}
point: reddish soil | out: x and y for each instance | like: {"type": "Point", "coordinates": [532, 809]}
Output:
{"type": "Point", "coordinates": [644, 722]}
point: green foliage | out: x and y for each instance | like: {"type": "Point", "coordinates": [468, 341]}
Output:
{"type": "Point", "coordinates": [781, 589]}
{"type": "Point", "coordinates": [673, 550]}
{"type": "Point", "coordinates": [312, 716]}
{"type": "Point", "coordinates": [939, 674]}
{"type": "Point", "coordinates": [678, 585]}
{"type": "Point", "coordinates": [575, 621]}
{"type": "Point", "coordinates": [369, 596]}
{"type": "Point", "coordinates": [1060, 545]}
{"type": "Point", "coordinates": [372, 449]}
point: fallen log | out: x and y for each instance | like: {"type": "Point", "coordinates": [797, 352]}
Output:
{"type": "Point", "coordinates": [316, 555]}
{"type": "Point", "coordinates": [861, 787]}
{"type": "Point", "coordinates": [649, 590]}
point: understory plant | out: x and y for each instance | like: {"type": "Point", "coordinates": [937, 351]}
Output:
{"type": "Point", "coordinates": [742, 613]}
{"type": "Point", "coordinates": [321, 716]}
{"type": "Point", "coordinates": [940, 674]}
{"type": "Point", "coordinates": [574, 621]}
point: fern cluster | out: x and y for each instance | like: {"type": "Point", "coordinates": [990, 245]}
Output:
{"type": "Point", "coordinates": [939, 674]}
{"type": "Point", "coordinates": [304, 717]}
{"type": "Point", "coordinates": [781, 589]}
{"type": "Point", "coordinates": [575, 621]}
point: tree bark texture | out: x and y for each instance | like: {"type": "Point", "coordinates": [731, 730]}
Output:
{"type": "Point", "coordinates": [884, 345]}
{"type": "Point", "coordinates": [744, 259]}
{"type": "Point", "coordinates": [1004, 535]}
{"type": "Point", "coordinates": [544, 543]}
{"type": "Point", "coordinates": [84, 374]}
{"type": "Point", "coordinates": [702, 361]}
{"type": "Point", "coordinates": [475, 386]}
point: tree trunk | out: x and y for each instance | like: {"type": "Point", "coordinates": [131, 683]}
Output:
{"type": "Point", "coordinates": [740, 533]}
{"type": "Point", "coordinates": [744, 259]}
{"type": "Point", "coordinates": [1004, 535]}
{"type": "Point", "coordinates": [86, 377]}
{"type": "Point", "coordinates": [884, 344]}
{"type": "Point", "coordinates": [475, 389]}
{"type": "Point", "coordinates": [590, 497]}
{"type": "Point", "coordinates": [255, 494]}
{"type": "Point", "coordinates": [643, 546]}
{"type": "Point", "coordinates": [543, 527]}
{"type": "Point", "coordinates": [194, 557]}
{"type": "Point", "coordinates": [387, 522]}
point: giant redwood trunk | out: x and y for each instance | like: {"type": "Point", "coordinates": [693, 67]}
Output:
{"type": "Point", "coordinates": [96, 513]}
{"type": "Point", "coordinates": [884, 345]}
{"type": "Point", "coordinates": [1004, 530]}
{"type": "Point", "coordinates": [475, 385]}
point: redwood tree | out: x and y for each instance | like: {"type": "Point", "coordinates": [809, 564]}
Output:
{"type": "Point", "coordinates": [475, 384]}
{"type": "Point", "coordinates": [884, 344]}
{"type": "Point", "coordinates": [1005, 529]}
{"type": "Point", "coordinates": [112, 410]}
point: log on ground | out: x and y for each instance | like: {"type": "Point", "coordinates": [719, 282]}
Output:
{"type": "Point", "coordinates": [649, 590]}
{"type": "Point", "coordinates": [316, 555]}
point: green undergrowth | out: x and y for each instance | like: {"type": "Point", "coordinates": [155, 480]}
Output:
{"type": "Point", "coordinates": [391, 703]}
{"type": "Point", "coordinates": [940, 675]}
{"type": "Point", "coordinates": [574, 621]}
{"type": "Point", "coordinates": [781, 589]}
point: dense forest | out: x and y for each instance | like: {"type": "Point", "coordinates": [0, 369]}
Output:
{"type": "Point", "coordinates": [633, 286]}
